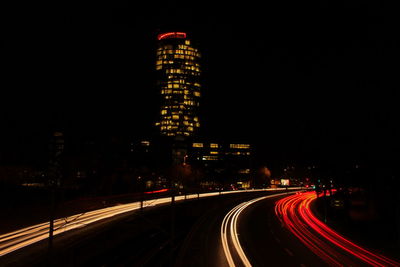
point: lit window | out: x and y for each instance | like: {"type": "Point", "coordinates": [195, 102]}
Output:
{"type": "Point", "coordinates": [189, 103]}
{"type": "Point", "coordinates": [197, 144]}
{"type": "Point", "coordinates": [145, 143]}
{"type": "Point", "coordinates": [240, 146]}
{"type": "Point", "coordinates": [210, 158]}
{"type": "Point", "coordinates": [213, 145]}
{"type": "Point", "coordinates": [214, 152]}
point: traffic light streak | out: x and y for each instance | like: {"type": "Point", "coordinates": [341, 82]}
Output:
{"type": "Point", "coordinates": [15, 240]}
{"type": "Point", "coordinates": [230, 237]}
{"type": "Point", "coordinates": [294, 212]}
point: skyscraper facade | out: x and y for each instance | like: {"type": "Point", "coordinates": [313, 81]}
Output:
{"type": "Point", "coordinates": [178, 76]}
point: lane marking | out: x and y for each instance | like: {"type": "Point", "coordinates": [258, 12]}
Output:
{"type": "Point", "coordinates": [289, 252]}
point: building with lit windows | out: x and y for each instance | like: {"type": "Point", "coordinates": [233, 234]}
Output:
{"type": "Point", "coordinates": [178, 75]}
{"type": "Point", "coordinates": [178, 81]}
{"type": "Point", "coordinates": [224, 163]}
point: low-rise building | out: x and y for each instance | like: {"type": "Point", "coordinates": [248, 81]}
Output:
{"type": "Point", "coordinates": [227, 164]}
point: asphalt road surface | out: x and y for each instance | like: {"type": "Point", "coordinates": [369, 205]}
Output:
{"type": "Point", "coordinates": [274, 230]}
{"type": "Point", "coordinates": [255, 228]}
{"type": "Point", "coordinates": [122, 235]}
{"type": "Point", "coordinates": [262, 237]}
{"type": "Point", "coordinates": [267, 242]}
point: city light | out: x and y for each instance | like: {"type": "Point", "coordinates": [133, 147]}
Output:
{"type": "Point", "coordinates": [171, 35]}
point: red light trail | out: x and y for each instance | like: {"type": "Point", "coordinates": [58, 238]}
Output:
{"type": "Point", "coordinates": [157, 191]}
{"type": "Point", "coordinates": [171, 35]}
{"type": "Point", "coordinates": [295, 214]}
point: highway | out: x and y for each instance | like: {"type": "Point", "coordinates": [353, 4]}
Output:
{"type": "Point", "coordinates": [251, 236]}
{"type": "Point", "coordinates": [16, 240]}
{"type": "Point", "coordinates": [244, 234]}
{"type": "Point", "coordinates": [295, 214]}
{"type": "Point", "coordinates": [255, 228]}
{"type": "Point", "coordinates": [233, 250]}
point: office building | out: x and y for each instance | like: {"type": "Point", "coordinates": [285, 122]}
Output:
{"type": "Point", "coordinates": [178, 79]}
{"type": "Point", "coordinates": [224, 163]}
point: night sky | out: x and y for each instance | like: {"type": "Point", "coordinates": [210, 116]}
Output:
{"type": "Point", "coordinates": [302, 81]}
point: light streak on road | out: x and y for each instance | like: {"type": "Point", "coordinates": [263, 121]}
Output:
{"type": "Point", "coordinates": [229, 234]}
{"type": "Point", "coordinates": [157, 191]}
{"type": "Point", "coordinates": [294, 212]}
{"type": "Point", "coordinates": [18, 239]}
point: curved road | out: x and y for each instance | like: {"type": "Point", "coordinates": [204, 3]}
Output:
{"type": "Point", "coordinates": [122, 233]}
{"type": "Point", "coordinates": [270, 232]}
{"type": "Point", "coordinates": [258, 228]}
{"type": "Point", "coordinates": [245, 234]}
{"type": "Point", "coordinates": [264, 240]}
{"type": "Point", "coordinates": [21, 238]}
{"type": "Point", "coordinates": [295, 213]}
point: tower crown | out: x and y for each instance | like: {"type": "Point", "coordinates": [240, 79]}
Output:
{"type": "Point", "coordinates": [168, 35]}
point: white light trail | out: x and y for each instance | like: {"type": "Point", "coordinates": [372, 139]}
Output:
{"type": "Point", "coordinates": [229, 233]}
{"type": "Point", "coordinates": [18, 239]}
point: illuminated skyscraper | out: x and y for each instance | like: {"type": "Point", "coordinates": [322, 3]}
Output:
{"type": "Point", "coordinates": [178, 72]}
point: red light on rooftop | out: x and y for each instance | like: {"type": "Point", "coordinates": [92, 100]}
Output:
{"type": "Point", "coordinates": [171, 35]}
